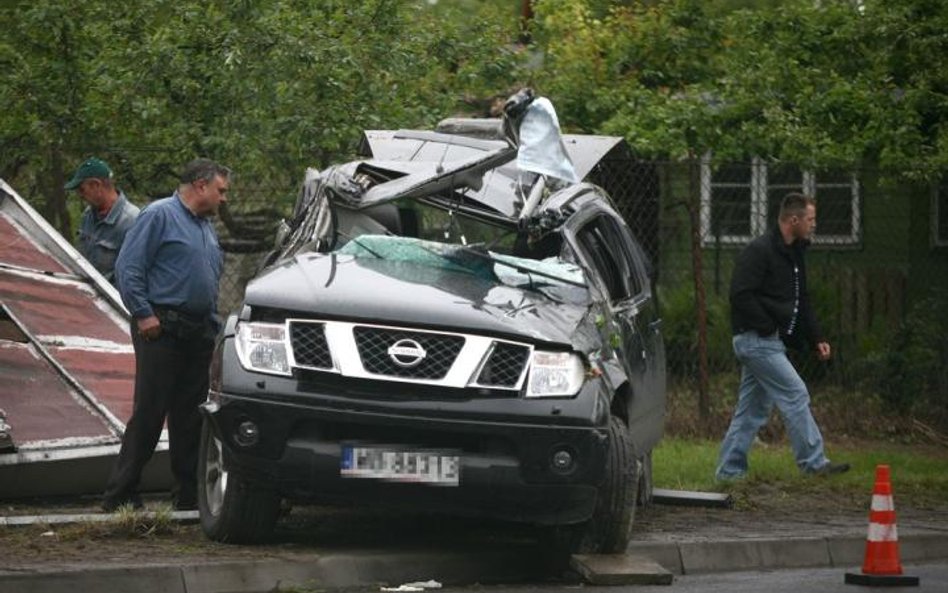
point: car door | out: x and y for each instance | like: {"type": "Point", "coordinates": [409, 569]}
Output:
{"type": "Point", "coordinates": [620, 267]}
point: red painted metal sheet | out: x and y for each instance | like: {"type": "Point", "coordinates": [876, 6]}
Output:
{"type": "Point", "coordinates": [110, 376]}
{"type": "Point", "coordinates": [67, 366]}
{"type": "Point", "coordinates": [17, 249]}
{"type": "Point", "coordinates": [51, 307]}
{"type": "Point", "coordinates": [39, 404]}
{"type": "Point", "coordinates": [87, 388]}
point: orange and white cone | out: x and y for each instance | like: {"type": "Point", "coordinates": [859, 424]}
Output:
{"type": "Point", "coordinates": [882, 565]}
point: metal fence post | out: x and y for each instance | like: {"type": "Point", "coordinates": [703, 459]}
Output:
{"type": "Point", "coordinates": [697, 265]}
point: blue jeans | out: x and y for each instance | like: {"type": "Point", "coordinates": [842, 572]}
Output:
{"type": "Point", "coordinates": [768, 379]}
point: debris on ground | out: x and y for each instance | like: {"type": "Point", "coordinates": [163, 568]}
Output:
{"type": "Point", "coordinates": [413, 587]}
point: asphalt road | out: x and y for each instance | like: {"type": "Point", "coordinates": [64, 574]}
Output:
{"type": "Point", "coordinates": [933, 578]}
{"type": "Point", "coordinates": [704, 550]}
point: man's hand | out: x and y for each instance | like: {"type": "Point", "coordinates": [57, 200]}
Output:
{"type": "Point", "coordinates": [823, 351]}
{"type": "Point", "coordinates": [149, 328]}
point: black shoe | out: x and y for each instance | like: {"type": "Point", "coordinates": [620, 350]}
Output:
{"type": "Point", "coordinates": [831, 469]}
{"type": "Point", "coordinates": [110, 505]}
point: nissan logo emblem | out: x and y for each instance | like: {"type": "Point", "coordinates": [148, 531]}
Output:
{"type": "Point", "coordinates": [406, 353]}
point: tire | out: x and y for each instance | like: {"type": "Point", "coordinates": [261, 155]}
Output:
{"type": "Point", "coordinates": [609, 529]}
{"type": "Point", "coordinates": [646, 485]}
{"type": "Point", "coordinates": [232, 510]}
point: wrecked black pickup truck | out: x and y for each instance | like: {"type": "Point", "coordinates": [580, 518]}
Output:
{"type": "Point", "coordinates": [457, 325]}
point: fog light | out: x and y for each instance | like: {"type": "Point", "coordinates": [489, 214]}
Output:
{"type": "Point", "coordinates": [562, 461]}
{"type": "Point", "coordinates": [247, 433]}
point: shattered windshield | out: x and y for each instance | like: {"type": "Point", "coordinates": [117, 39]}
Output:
{"type": "Point", "coordinates": [553, 276]}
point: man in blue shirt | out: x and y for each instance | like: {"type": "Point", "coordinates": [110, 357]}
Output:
{"type": "Point", "coordinates": [106, 219]}
{"type": "Point", "coordinates": [168, 274]}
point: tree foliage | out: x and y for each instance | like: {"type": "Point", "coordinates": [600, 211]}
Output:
{"type": "Point", "coordinates": [272, 87]}
{"type": "Point", "coordinates": [837, 83]}
{"type": "Point", "coordinates": [266, 87]}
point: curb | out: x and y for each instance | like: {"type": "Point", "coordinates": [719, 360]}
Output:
{"type": "Point", "coordinates": [766, 554]}
{"type": "Point", "coordinates": [372, 568]}
{"type": "Point", "coordinates": [21, 521]}
{"type": "Point", "coordinates": [321, 571]}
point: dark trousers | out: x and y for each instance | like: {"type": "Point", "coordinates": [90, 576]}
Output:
{"type": "Point", "coordinates": [171, 379]}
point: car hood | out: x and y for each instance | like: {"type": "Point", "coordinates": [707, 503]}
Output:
{"type": "Point", "coordinates": [367, 289]}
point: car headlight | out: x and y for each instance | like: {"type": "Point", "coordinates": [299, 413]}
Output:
{"type": "Point", "coordinates": [262, 347]}
{"type": "Point", "coordinates": [554, 374]}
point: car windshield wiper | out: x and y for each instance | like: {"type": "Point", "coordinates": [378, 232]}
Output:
{"type": "Point", "coordinates": [361, 244]}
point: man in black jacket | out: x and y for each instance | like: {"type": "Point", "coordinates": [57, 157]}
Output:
{"type": "Point", "coordinates": [770, 309]}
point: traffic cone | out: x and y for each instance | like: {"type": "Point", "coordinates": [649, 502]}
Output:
{"type": "Point", "coordinates": [881, 565]}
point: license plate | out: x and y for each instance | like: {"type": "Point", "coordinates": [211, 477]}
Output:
{"type": "Point", "coordinates": [400, 465]}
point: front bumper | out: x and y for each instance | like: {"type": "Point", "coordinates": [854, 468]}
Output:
{"type": "Point", "coordinates": [505, 445]}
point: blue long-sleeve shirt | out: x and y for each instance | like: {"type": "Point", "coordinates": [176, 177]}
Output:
{"type": "Point", "coordinates": [170, 258]}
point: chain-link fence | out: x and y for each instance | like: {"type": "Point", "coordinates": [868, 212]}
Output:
{"type": "Point", "coordinates": [878, 272]}
{"type": "Point", "coordinates": [878, 269]}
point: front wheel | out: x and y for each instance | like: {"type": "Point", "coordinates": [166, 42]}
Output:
{"type": "Point", "coordinates": [232, 510]}
{"type": "Point", "coordinates": [609, 529]}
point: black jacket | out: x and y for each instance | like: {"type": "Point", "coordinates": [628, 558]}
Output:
{"type": "Point", "coordinates": [764, 289]}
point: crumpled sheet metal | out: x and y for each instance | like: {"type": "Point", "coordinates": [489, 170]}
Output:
{"type": "Point", "coordinates": [19, 250]}
{"type": "Point", "coordinates": [66, 360]}
{"type": "Point", "coordinates": [6, 439]}
{"type": "Point", "coordinates": [40, 406]}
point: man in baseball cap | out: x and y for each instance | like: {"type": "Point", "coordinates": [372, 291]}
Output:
{"type": "Point", "coordinates": [107, 217]}
{"type": "Point", "coordinates": [93, 168]}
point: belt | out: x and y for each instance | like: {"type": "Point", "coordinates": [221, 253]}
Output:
{"type": "Point", "coordinates": [177, 312]}
{"type": "Point", "coordinates": [775, 334]}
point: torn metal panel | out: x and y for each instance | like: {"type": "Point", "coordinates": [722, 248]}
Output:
{"type": "Point", "coordinates": [18, 249]}
{"type": "Point", "coordinates": [48, 240]}
{"type": "Point", "coordinates": [107, 376]}
{"type": "Point", "coordinates": [67, 365]}
{"type": "Point", "coordinates": [6, 440]}
{"type": "Point", "coordinates": [585, 151]}
{"type": "Point", "coordinates": [588, 151]}
{"type": "Point", "coordinates": [440, 176]}
{"type": "Point", "coordinates": [415, 145]}
{"type": "Point", "coordinates": [39, 405]}
{"type": "Point", "coordinates": [690, 498]}
{"type": "Point", "coordinates": [60, 307]}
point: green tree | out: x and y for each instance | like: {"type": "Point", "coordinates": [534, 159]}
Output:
{"type": "Point", "coordinates": [268, 88]}
{"type": "Point", "coordinates": [819, 83]}
{"type": "Point", "coordinates": [41, 55]}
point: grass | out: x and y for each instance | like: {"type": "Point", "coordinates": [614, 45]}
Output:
{"type": "Point", "coordinates": [131, 522]}
{"type": "Point", "coordinates": [126, 523]}
{"type": "Point", "coordinates": [859, 430]}
{"type": "Point", "coordinates": [919, 474]}
{"type": "Point", "coordinates": [127, 535]}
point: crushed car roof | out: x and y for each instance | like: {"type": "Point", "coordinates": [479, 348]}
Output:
{"type": "Point", "coordinates": [475, 147]}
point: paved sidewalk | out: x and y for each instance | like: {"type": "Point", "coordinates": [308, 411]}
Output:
{"type": "Point", "coordinates": [682, 540]}
{"type": "Point", "coordinates": [691, 540]}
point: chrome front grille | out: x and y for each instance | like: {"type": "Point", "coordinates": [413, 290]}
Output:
{"type": "Point", "coordinates": [408, 355]}
{"type": "Point", "coordinates": [400, 353]}
{"type": "Point", "coordinates": [310, 348]}
{"type": "Point", "coordinates": [504, 366]}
